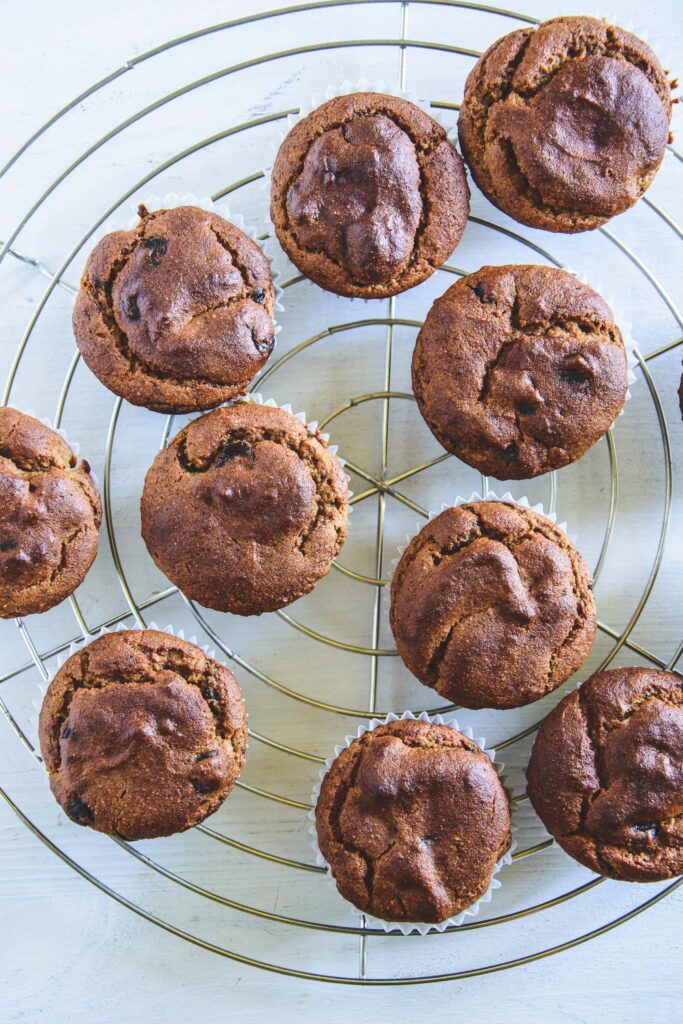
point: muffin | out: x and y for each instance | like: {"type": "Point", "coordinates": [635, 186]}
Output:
{"type": "Point", "coordinates": [606, 774]}
{"type": "Point", "coordinates": [412, 819]}
{"type": "Point", "coordinates": [245, 509]}
{"type": "Point", "coordinates": [565, 125]}
{"type": "Point", "coordinates": [368, 195]}
{"type": "Point", "coordinates": [491, 605]}
{"type": "Point", "coordinates": [518, 370]}
{"type": "Point", "coordinates": [50, 514]}
{"type": "Point", "coordinates": [142, 734]}
{"type": "Point", "coordinates": [177, 314]}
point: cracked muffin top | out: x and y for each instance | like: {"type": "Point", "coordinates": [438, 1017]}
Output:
{"type": "Point", "coordinates": [50, 514]}
{"type": "Point", "coordinates": [565, 125]}
{"type": "Point", "coordinates": [606, 774]}
{"type": "Point", "coordinates": [412, 819]}
{"type": "Point", "coordinates": [142, 734]}
{"type": "Point", "coordinates": [368, 195]}
{"type": "Point", "coordinates": [518, 370]}
{"type": "Point", "coordinates": [491, 605]}
{"type": "Point", "coordinates": [177, 314]}
{"type": "Point", "coordinates": [245, 509]}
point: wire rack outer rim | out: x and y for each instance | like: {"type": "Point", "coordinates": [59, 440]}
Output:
{"type": "Point", "coordinates": [403, 43]}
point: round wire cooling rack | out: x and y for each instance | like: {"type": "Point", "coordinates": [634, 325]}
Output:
{"type": "Point", "coordinates": [244, 885]}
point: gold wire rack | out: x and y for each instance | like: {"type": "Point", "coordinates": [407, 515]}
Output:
{"type": "Point", "coordinates": [378, 485]}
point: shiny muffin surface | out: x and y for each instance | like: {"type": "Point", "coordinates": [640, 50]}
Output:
{"type": "Point", "coordinates": [368, 195]}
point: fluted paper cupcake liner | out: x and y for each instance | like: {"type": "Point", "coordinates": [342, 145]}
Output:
{"type": "Point", "coordinates": [407, 927]}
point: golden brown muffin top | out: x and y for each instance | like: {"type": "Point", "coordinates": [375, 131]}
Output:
{"type": "Point", "coordinates": [50, 514]}
{"type": "Point", "coordinates": [368, 195]}
{"type": "Point", "coordinates": [518, 370]}
{"type": "Point", "coordinates": [245, 509]}
{"type": "Point", "coordinates": [491, 605]}
{"type": "Point", "coordinates": [565, 125]}
{"type": "Point", "coordinates": [142, 734]}
{"type": "Point", "coordinates": [177, 314]}
{"type": "Point", "coordinates": [606, 774]}
{"type": "Point", "coordinates": [412, 819]}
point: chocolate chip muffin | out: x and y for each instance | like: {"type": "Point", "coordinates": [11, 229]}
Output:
{"type": "Point", "coordinates": [50, 514]}
{"type": "Point", "coordinates": [245, 509]}
{"type": "Point", "coordinates": [491, 605]}
{"type": "Point", "coordinates": [412, 819]}
{"type": "Point", "coordinates": [176, 315]}
{"type": "Point", "coordinates": [565, 125]}
{"type": "Point", "coordinates": [368, 195]}
{"type": "Point", "coordinates": [142, 734]}
{"type": "Point", "coordinates": [518, 370]}
{"type": "Point", "coordinates": [606, 774]}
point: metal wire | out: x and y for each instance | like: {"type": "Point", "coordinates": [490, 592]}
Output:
{"type": "Point", "coordinates": [383, 488]}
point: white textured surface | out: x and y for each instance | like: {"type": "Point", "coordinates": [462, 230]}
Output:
{"type": "Point", "coordinates": [69, 953]}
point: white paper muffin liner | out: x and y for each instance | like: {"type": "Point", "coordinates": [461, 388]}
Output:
{"type": "Point", "coordinates": [407, 927]}
{"type": "Point", "coordinates": [172, 200]}
{"type": "Point", "coordinates": [278, 134]}
{"type": "Point", "coordinates": [255, 398]}
{"type": "Point", "coordinates": [73, 445]}
{"type": "Point", "coordinates": [78, 645]}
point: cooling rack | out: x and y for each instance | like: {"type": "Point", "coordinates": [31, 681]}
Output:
{"type": "Point", "coordinates": [244, 885]}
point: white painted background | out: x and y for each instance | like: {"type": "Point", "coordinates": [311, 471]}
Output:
{"type": "Point", "coordinates": [69, 953]}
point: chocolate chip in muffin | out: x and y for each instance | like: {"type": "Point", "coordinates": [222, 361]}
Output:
{"type": "Point", "coordinates": [412, 819]}
{"type": "Point", "coordinates": [245, 509]}
{"type": "Point", "coordinates": [177, 314]}
{"type": "Point", "coordinates": [606, 774]}
{"type": "Point", "coordinates": [491, 605]}
{"type": "Point", "coordinates": [368, 195]}
{"type": "Point", "coordinates": [50, 515]}
{"type": "Point", "coordinates": [131, 744]}
{"type": "Point", "coordinates": [564, 125]}
{"type": "Point", "coordinates": [519, 370]}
